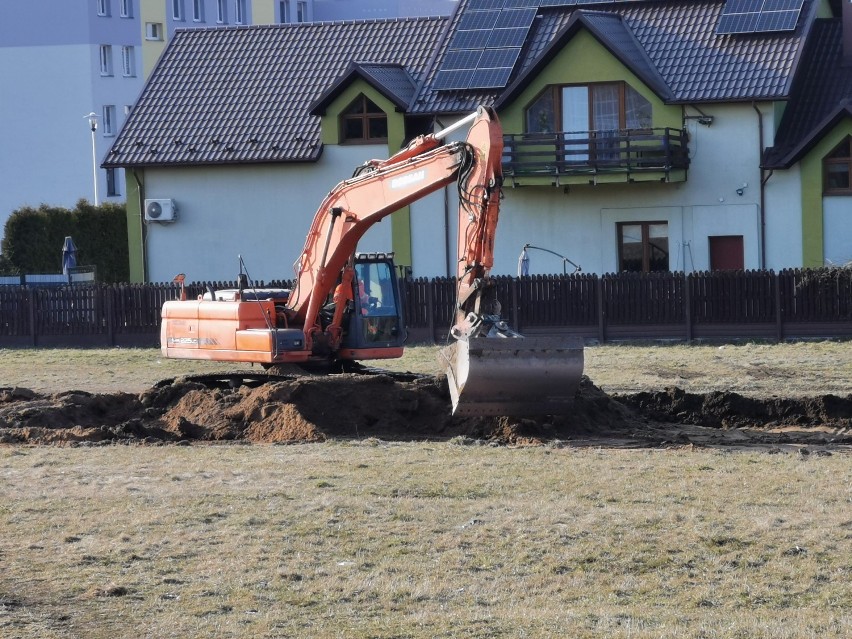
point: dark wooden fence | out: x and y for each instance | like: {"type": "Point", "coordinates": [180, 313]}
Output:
{"type": "Point", "coordinates": [672, 306]}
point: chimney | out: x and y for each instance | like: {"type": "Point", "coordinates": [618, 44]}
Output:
{"type": "Point", "coordinates": [846, 13]}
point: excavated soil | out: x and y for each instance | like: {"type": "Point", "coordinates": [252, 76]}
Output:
{"type": "Point", "coordinates": [315, 409]}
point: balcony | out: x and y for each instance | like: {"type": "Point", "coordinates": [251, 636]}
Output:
{"type": "Point", "coordinates": [593, 157]}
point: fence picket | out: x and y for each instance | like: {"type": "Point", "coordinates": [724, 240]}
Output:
{"type": "Point", "coordinates": [745, 303]}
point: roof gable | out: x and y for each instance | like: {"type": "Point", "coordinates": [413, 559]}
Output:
{"type": "Point", "coordinates": [243, 94]}
{"type": "Point", "coordinates": [671, 44]}
{"type": "Point", "coordinates": [821, 98]}
{"type": "Point", "coordinates": [608, 29]}
{"type": "Point", "coordinates": [391, 80]}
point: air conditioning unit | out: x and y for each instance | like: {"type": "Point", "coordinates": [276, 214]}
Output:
{"type": "Point", "coordinates": [160, 210]}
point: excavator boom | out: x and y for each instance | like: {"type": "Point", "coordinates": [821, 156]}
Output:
{"type": "Point", "coordinates": [345, 306]}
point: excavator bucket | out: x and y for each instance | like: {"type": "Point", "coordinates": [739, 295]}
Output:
{"type": "Point", "coordinates": [514, 376]}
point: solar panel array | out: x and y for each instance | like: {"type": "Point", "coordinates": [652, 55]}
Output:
{"type": "Point", "coordinates": [488, 41]}
{"type": "Point", "coordinates": [486, 44]}
{"type": "Point", "coordinates": [756, 16]}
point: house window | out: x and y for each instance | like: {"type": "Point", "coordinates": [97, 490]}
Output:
{"type": "Point", "coordinates": [221, 12]}
{"type": "Point", "coordinates": [128, 62]}
{"type": "Point", "coordinates": [198, 10]}
{"type": "Point", "coordinates": [109, 120]}
{"type": "Point", "coordinates": [103, 7]}
{"type": "Point", "coordinates": [126, 9]}
{"type": "Point", "coordinates": [240, 11]}
{"type": "Point", "coordinates": [643, 247]}
{"type": "Point", "coordinates": [177, 9]}
{"type": "Point", "coordinates": [364, 121]}
{"type": "Point", "coordinates": [106, 59]}
{"type": "Point", "coordinates": [112, 183]}
{"type": "Point", "coordinates": [284, 11]}
{"type": "Point", "coordinates": [837, 169]}
{"type": "Point", "coordinates": [153, 31]}
{"type": "Point", "coordinates": [607, 106]}
{"type": "Point", "coordinates": [301, 12]}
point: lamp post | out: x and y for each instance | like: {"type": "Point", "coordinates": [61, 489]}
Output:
{"type": "Point", "coordinates": [93, 125]}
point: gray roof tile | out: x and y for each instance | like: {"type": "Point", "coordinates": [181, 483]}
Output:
{"type": "Point", "coordinates": [820, 98]}
{"type": "Point", "coordinates": [392, 80]}
{"type": "Point", "coordinates": [242, 94]}
{"type": "Point", "coordinates": [678, 40]}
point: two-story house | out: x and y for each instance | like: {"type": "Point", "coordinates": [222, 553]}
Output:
{"type": "Point", "coordinates": [640, 135]}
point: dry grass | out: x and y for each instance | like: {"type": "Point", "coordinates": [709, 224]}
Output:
{"type": "Point", "coordinates": [366, 539]}
{"type": "Point", "coordinates": [788, 369]}
{"type": "Point", "coordinates": [440, 540]}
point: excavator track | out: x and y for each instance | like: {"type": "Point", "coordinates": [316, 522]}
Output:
{"type": "Point", "coordinates": [251, 379]}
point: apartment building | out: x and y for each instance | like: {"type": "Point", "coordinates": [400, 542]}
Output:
{"type": "Point", "coordinates": [62, 60]}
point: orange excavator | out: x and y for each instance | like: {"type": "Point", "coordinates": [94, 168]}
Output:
{"type": "Point", "coordinates": [345, 306]}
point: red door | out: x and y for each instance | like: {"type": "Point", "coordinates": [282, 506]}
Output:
{"type": "Point", "coordinates": [726, 252]}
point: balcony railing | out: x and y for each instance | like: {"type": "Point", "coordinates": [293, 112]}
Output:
{"type": "Point", "coordinates": [582, 153]}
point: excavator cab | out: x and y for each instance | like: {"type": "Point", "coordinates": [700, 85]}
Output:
{"type": "Point", "coordinates": [375, 327]}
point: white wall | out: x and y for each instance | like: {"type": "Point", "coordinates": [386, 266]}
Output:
{"type": "Point", "coordinates": [46, 155]}
{"type": "Point", "coordinates": [262, 212]}
{"type": "Point", "coordinates": [784, 219]}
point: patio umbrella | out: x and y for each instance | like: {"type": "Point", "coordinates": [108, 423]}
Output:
{"type": "Point", "coordinates": [69, 255]}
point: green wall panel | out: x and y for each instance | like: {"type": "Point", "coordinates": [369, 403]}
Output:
{"type": "Point", "coordinates": [812, 213]}
{"type": "Point", "coordinates": [585, 60]}
{"type": "Point", "coordinates": [400, 220]}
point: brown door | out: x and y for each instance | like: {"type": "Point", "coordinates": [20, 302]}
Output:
{"type": "Point", "coordinates": [726, 252]}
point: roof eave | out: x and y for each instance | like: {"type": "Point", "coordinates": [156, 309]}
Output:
{"type": "Point", "coordinates": [843, 111]}
{"type": "Point", "coordinates": [354, 72]}
{"type": "Point", "coordinates": [313, 157]}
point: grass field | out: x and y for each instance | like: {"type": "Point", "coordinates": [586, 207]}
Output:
{"type": "Point", "coordinates": [369, 539]}
{"type": "Point", "coordinates": [790, 369]}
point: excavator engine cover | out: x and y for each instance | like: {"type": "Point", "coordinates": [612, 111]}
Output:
{"type": "Point", "coordinates": [514, 376]}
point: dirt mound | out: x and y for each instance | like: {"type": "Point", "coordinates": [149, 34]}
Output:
{"type": "Point", "coordinates": [732, 410]}
{"type": "Point", "coordinates": [313, 409]}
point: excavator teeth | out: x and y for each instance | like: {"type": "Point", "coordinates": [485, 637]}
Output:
{"type": "Point", "coordinates": [514, 376]}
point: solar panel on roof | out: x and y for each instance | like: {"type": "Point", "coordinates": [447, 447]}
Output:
{"type": "Point", "coordinates": [756, 16]}
{"type": "Point", "coordinates": [509, 4]}
{"type": "Point", "coordinates": [479, 5]}
{"type": "Point", "coordinates": [782, 5]}
{"type": "Point", "coordinates": [579, 3]}
{"type": "Point", "coordinates": [515, 18]}
{"type": "Point", "coordinates": [486, 44]}
{"type": "Point", "coordinates": [507, 38]}
{"type": "Point", "coordinates": [777, 21]}
{"type": "Point", "coordinates": [498, 58]}
{"type": "Point", "coordinates": [479, 20]}
{"type": "Point", "coordinates": [462, 59]}
{"type": "Point", "coordinates": [470, 39]}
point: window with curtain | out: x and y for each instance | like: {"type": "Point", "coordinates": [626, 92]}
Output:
{"type": "Point", "coordinates": [605, 106]}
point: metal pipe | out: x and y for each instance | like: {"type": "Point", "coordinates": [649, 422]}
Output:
{"type": "Point", "coordinates": [458, 125]}
{"type": "Point", "coordinates": [762, 203]}
{"type": "Point", "coordinates": [94, 127]}
{"type": "Point", "coordinates": [335, 212]}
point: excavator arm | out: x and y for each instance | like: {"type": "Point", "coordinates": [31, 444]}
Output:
{"type": "Point", "coordinates": [491, 369]}
{"type": "Point", "coordinates": [384, 186]}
